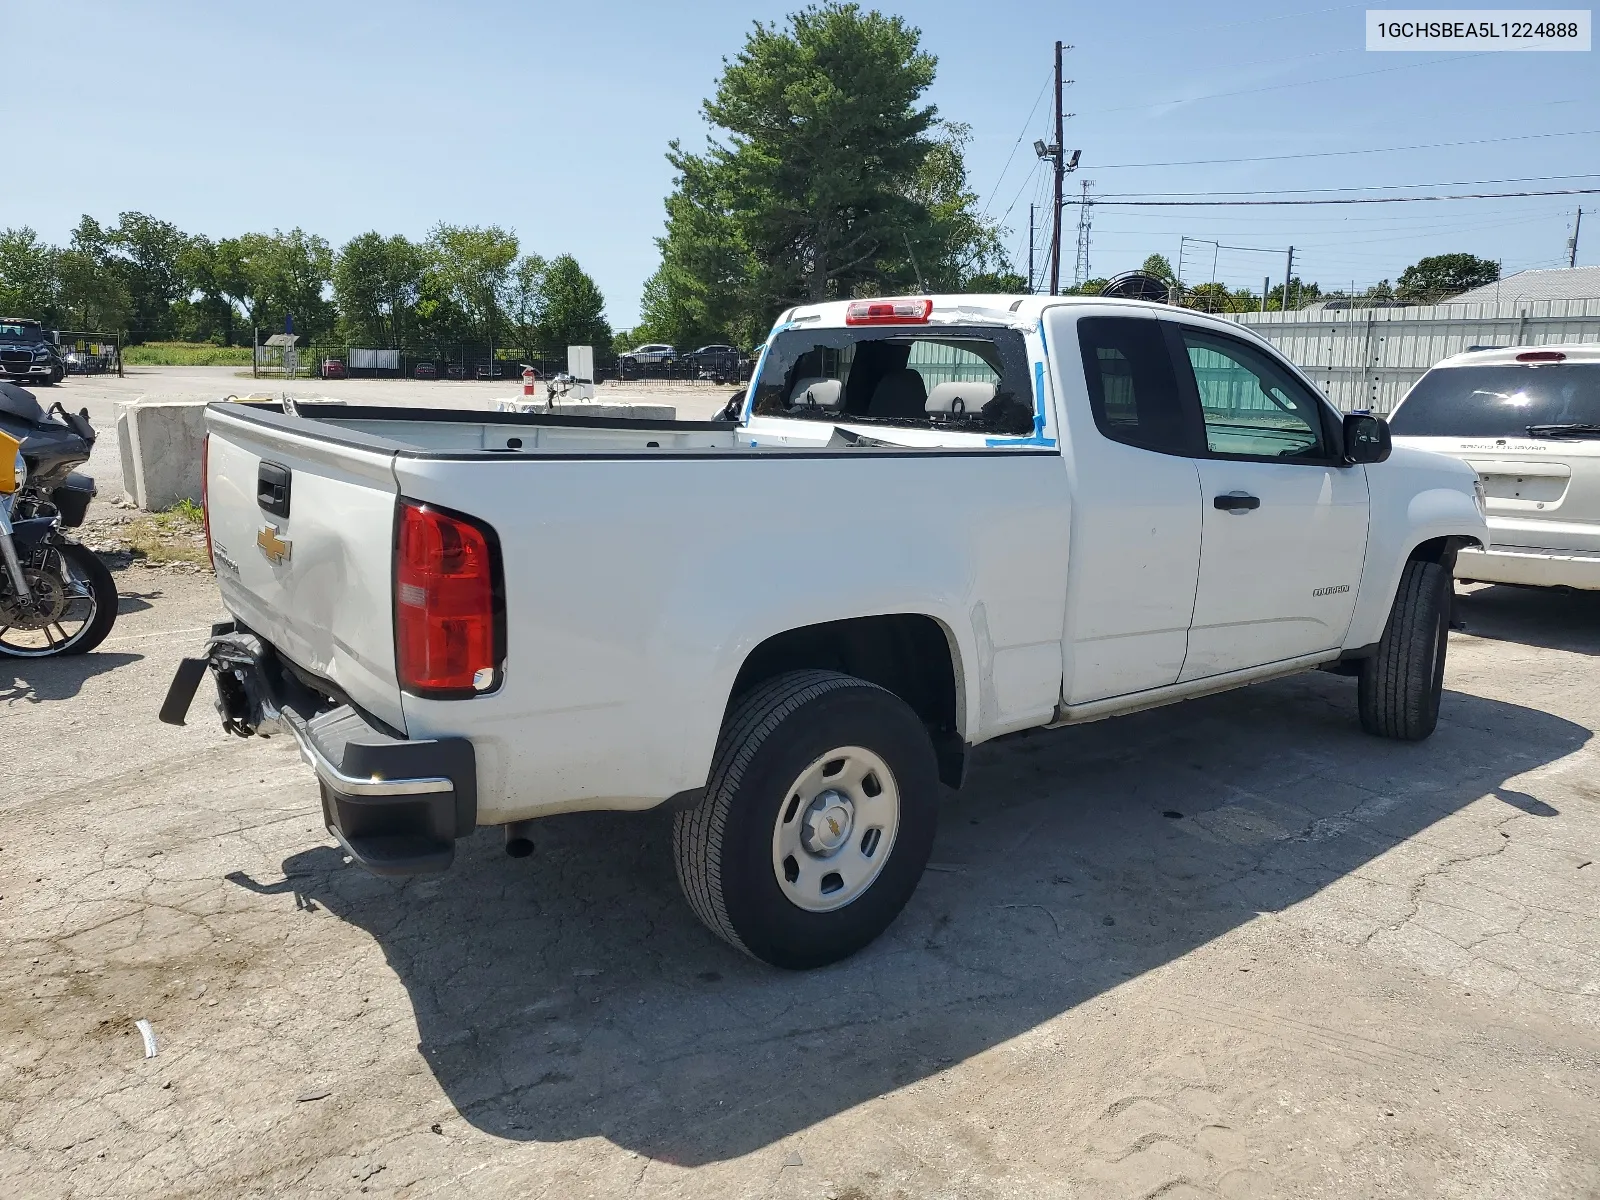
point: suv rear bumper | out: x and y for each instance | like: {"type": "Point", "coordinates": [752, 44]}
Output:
{"type": "Point", "coordinates": [1531, 568]}
{"type": "Point", "coordinates": [396, 805]}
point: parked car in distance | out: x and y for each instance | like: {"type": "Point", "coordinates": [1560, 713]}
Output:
{"type": "Point", "coordinates": [1527, 420]}
{"type": "Point", "coordinates": [27, 354]}
{"type": "Point", "coordinates": [653, 354]}
{"type": "Point", "coordinates": [969, 521]}
{"type": "Point", "coordinates": [491, 370]}
{"type": "Point", "coordinates": [425, 371]}
{"type": "Point", "coordinates": [333, 368]}
{"type": "Point", "coordinates": [714, 362]}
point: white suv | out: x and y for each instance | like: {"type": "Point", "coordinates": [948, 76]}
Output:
{"type": "Point", "coordinates": [1527, 419]}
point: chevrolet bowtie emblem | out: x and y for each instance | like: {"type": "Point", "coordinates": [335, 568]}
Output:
{"type": "Point", "coordinates": [276, 549]}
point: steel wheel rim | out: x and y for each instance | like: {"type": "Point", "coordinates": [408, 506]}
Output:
{"type": "Point", "coordinates": [835, 829]}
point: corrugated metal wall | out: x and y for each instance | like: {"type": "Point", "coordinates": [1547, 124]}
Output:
{"type": "Point", "coordinates": [1370, 357]}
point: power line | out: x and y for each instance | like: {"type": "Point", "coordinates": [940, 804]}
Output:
{"type": "Point", "coordinates": [1014, 145]}
{"type": "Point", "coordinates": [1277, 87]}
{"type": "Point", "coordinates": [1341, 199]}
{"type": "Point", "coordinates": [1371, 187]}
{"type": "Point", "coordinates": [1209, 162]}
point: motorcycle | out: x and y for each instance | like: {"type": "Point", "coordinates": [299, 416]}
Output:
{"type": "Point", "coordinates": [56, 596]}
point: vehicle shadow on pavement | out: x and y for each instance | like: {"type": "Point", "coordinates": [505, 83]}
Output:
{"type": "Point", "coordinates": [1532, 616]}
{"type": "Point", "coordinates": [573, 994]}
{"type": "Point", "coordinates": [40, 679]}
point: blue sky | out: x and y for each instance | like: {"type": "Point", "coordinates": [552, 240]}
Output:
{"type": "Point", "coordinates": [553, 119]}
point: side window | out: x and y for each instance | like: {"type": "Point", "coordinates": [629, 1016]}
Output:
{"type": "Point", "coordinates": [1251, 406]}
{"type": "Point", "coordinates": [1133, 390]}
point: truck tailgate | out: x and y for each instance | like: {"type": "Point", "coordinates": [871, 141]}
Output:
{"type": "Point", "coordinates": [316, 583]}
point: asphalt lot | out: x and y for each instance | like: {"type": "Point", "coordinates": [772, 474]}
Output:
{"type": "Point", "coordinates": [1349, 967]}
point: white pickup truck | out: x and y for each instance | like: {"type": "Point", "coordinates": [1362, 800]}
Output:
{"type": "Point", "coordinates": [930, 522]}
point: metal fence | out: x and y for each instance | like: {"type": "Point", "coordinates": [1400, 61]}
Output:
{"type": "Point", "coordinates": [90, 353]}
{"type": "Point", "coordinates": [1369, 358]}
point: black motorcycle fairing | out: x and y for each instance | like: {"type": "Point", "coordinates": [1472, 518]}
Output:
{"type": "Point", "coordinates": [29, 535]}
{"type": "Point", "coordinates": [19, 403]}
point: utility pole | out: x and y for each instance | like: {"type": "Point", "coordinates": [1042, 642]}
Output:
{"type": "Point", "coordinates": [1266, 286]}
{"type": "Point", "coordinates": [1062, 165]}
{"type": "Point", "coordinates": [1061, 175]}
{"type": "Point", "coordinates": [1030, 249]}
{"type": "Point", "coordinates": [1288, 274]}
{"type": "Point", "coordinates": [1080, 266]}
{"type": "Point", "coordinates": [1572, 246]}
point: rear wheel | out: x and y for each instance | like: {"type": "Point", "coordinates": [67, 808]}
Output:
{"type": "Point", "coordinates": [1401, 684]}
{"type": "Point", "coordinates": [817, 822]}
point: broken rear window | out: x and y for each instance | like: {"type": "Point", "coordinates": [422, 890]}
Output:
{"type": "Point", "coordinates": [971, 377]}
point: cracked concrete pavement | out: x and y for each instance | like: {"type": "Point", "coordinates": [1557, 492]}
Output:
{"type": "Point", "coordinates": [1230, 948]}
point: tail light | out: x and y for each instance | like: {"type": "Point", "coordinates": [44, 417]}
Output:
{"type": "Point", "coordinates": [205, 496]}
{"type": "Point", "coordinates": [888, 312]}
{"type": "Point", "coordinates": [449, 615]}
{"type": "Point", "coordinates": [1539, 356]}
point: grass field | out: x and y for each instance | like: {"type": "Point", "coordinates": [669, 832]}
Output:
{"type": "Point", "coordinates": [185, 354]}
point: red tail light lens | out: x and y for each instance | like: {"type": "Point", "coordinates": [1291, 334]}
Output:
{"type": "Point", "coordinates": [888, 312]}
{"type": "Point", "coordinates": [1539, 356]}
{"type": "Point", "coordinates": [205, 496]}
{"type": "Point", "coordinates": [447, 611]}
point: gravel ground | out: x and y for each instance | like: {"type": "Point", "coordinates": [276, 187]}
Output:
{"type": "Point", "coordinates": [1228, 948]}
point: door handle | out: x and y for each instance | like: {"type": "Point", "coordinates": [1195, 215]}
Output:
{"type": "Point", "coordinates": [1236, 502]}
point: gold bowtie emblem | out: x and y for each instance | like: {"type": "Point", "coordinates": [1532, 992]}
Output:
{"type": "Point", "coordinates": [276, 549]}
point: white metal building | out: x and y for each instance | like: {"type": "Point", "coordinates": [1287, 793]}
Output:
{"type": "Point", "coordinates": [1369, 357]}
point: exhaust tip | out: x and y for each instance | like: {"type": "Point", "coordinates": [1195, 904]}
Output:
{"type": "Point", "coordinates": [519, 847]}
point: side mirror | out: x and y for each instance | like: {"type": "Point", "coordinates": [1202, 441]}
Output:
{"type": "Point", "coordinates": [733, 409]}
{"type": "Point", "coordinates": [1366, 439]}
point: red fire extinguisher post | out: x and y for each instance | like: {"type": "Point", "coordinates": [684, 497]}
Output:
{"type": "Point", "coordinates": [528, 377]}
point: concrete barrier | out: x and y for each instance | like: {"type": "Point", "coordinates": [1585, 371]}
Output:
{"type": "Point", "coordinates": [159, 440]}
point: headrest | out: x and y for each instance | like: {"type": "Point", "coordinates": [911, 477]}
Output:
{"type": "Point", "coordinates": [817, 393]}
{"type": "Point", "coordinates": [959, 399]}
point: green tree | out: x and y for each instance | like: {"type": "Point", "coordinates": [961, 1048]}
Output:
{"type": "Point", "coordinates": [145, 253]}
{"type": "Point", "coordinates": [571, 308]}
{"type": "Point", "coordinates": [29, 276]}
{"type": "Point", "coordinates": [524, 303]}
{"type": "Point", "coordinates": [1158, 266]}
{"type": "Point", "coordinates": [992, 282]}
{"type": "Point", "coordinates": [377, 282]}
{"type": "Point", "coordinates": [273, 276]}
{"type": "Point", "coordinates": [818, 184]}
{"type": "Point", "coordinates": [1438, 276]}
{"type": "Point", "coordinates": [472, 266]}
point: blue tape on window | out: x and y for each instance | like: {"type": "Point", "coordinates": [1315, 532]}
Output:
{"type": "Point", "coordinates": [1038, 438]}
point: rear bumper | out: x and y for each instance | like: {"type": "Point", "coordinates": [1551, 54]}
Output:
{"type": "Point", "coordinates": [1531, 568]}
{"type": "Point", "coordinates": [396, 805]}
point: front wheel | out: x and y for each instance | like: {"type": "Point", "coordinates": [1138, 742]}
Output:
{"type": "Point", "coordinates": [817, 822]}
{"type": "Point", "coordinates": [74, 608]}
{"type": "Point", "coordinates": [1401, 684]}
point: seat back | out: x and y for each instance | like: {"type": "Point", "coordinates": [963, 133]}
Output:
{"type": "Point", "coordinates": [958, 401]}
{"type": "Point", "coordinates": [900, 395]}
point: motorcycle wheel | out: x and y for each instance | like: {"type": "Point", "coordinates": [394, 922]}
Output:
{"type": "Point", "coordinates": [101, 603]}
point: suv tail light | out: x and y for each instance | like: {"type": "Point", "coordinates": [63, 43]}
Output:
{"type": "Point", "coordinates": [205, 497]}
{"type": "Point", "coordinates": [449, 614]}
{"type": "Point", "coordinates": [888, 312]}
{"type": "Point", "coordinates": [1538, 356]}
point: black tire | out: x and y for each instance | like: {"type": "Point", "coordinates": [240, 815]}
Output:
{"type": "Point", "coordinates": [723, 846]}
{"type": "Point", "coordinates": [1401, 684]}
{"type": "Point", "coordinates": [87, 565]}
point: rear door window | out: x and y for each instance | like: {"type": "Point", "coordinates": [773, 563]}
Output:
{"type": "Point", "coordinates": [967, 377]}
{"type": "Point", "coordinates": [1133, 389]}
{"type": "Point", "coordinates": [1499, 401]}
